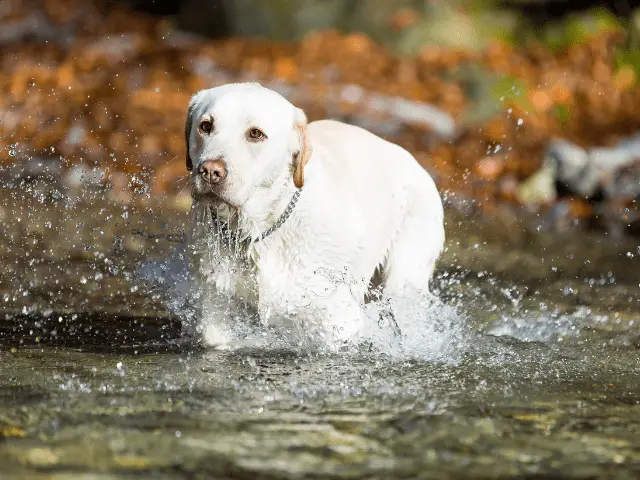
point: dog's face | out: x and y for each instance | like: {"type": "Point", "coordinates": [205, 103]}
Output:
{"type": "Point", "coordinates": [241, 137]}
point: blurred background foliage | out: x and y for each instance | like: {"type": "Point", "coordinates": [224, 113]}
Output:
{"type": "Point", "coordinates": [478, 90]}
{"type": "Point", "coordinates": [406, 26]}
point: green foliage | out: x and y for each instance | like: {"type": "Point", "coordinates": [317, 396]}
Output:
{"type": "Point", "coordinates": [372, 16]}
{"type": "Point", "coordinates": [501, 25]}
{"type": "Point", "coordinates": [471, 28]}
{"type": "Point", "coordinates": [562, 113]}
{"type": "Point", "coordinates": [628, 57]}
{"type": "Point", "coordinates": [577, 28]}
{"type": "Point", "coordinates": [511, 91]}
{"type": "Point", "coordinates": [468, 24]}
{"type": "Point", "coordinates": [285, 19]}
{"type": "Point", "coordinates": [489, 94]}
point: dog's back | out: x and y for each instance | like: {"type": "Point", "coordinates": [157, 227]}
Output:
{"type": "Point", "coordinates": [391, 196]}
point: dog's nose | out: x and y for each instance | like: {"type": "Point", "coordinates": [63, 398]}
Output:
{"type": "Point", "coordinates": [213, 170]}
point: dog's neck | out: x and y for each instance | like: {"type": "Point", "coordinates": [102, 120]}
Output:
{"type": "Point", "coordinates": [266, 205]}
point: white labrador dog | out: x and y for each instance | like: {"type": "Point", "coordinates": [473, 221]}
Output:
{"type": "Point", "coordinates": [303, 216]}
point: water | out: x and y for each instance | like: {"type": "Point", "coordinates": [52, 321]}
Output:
{"type": "Point", "coordinates": [528, 367]}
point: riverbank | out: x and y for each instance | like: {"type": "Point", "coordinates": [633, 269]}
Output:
{"type": "Point", "coordinates": [98, 94]}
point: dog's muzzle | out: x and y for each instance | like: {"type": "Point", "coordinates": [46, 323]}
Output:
{"type": "Point", "coordinates": [213, 171]}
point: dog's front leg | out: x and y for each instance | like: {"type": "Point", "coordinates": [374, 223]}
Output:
{"type": "Point", "coordinates": [343, 315]}
{"type": "Point", "coordinates": [228, 294]}
{"type": "Point", "coordinates": [334, 309]}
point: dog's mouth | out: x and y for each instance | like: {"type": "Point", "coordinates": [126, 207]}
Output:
{"type": "Point", "coordinates": [201, 189]}
{"type": "Point", "coordinates": [211, 194]}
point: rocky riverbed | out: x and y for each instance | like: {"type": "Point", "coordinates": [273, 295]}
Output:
{"type": "Point", "coordinates": [528, 367]}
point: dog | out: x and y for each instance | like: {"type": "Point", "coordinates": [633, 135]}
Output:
{"type": "Point", "coordinates": [305, 215]}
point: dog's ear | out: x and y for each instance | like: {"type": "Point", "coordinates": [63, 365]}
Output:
{"type": "Point", "coordinates": [302, 153]}
{"type": "Point", "coordinates": [187, 130]}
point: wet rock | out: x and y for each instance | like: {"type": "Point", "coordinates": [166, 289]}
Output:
{"type": "Point", "coordinates": [421, 114]}
{"type": "Point", "coordinates": [570, 164]}
{"type": "Point", "coordinates": [613, 170]}
{"type": "Point", "coordinates": [388, 115]}
{"type": "Point", "coordinates": [539, 189]}
{"type": "Point", "coordinates": [565, 215]}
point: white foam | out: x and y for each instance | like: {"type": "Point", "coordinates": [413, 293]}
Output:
{"type": "Point", "coordinates": [428, 328]}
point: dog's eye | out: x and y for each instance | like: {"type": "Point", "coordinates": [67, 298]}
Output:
{"type": "Point", "coordinates": [256, 134]}
{"type": "Point", "coordinates": [206, 126]}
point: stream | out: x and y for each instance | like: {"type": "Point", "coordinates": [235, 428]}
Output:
{"type": "Point", "coordinates": [527, 366]}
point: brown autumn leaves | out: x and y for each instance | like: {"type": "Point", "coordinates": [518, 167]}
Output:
{"type": "Point", "coordinates": [108, 88]}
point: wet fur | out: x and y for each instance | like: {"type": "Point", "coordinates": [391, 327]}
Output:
{"type": "Point", "coordinates": [366, 207]}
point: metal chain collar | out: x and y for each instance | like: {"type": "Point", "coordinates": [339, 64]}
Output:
{"type": "Point", "coordinates": [283, 218]}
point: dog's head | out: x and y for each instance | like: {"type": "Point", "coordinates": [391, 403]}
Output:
{"type": "Point", "coordinates": [241, 137]}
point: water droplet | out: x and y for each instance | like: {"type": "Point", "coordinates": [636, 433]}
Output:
{"type": "Point", "coordinates": [83, 280]}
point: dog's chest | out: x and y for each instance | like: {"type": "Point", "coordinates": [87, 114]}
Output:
{"type": "Point", "coordinates": [234, 276]}
{"type": "Point", "coordinates": [276, 272]}
{"type": "Point", "coordinates": [257, 276]}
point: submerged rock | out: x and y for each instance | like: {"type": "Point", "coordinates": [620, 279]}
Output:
{"type": "Point", "coordinates": [570, 164]}
{"type": "Point", "coordinates": [613, 172]}
{"type": "Point", "coordinates": [539, 189]}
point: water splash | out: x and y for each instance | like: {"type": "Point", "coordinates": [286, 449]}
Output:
{"type": "Point", "coordinates": [428, 329]}
{"type": "Point", "coordinates": [397, 328]}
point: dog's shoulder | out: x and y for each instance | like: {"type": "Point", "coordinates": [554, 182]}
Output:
{"type": "Point", "coordinates": [334, 128]}
{"type": "Point", "coordinates": [346, 140]}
